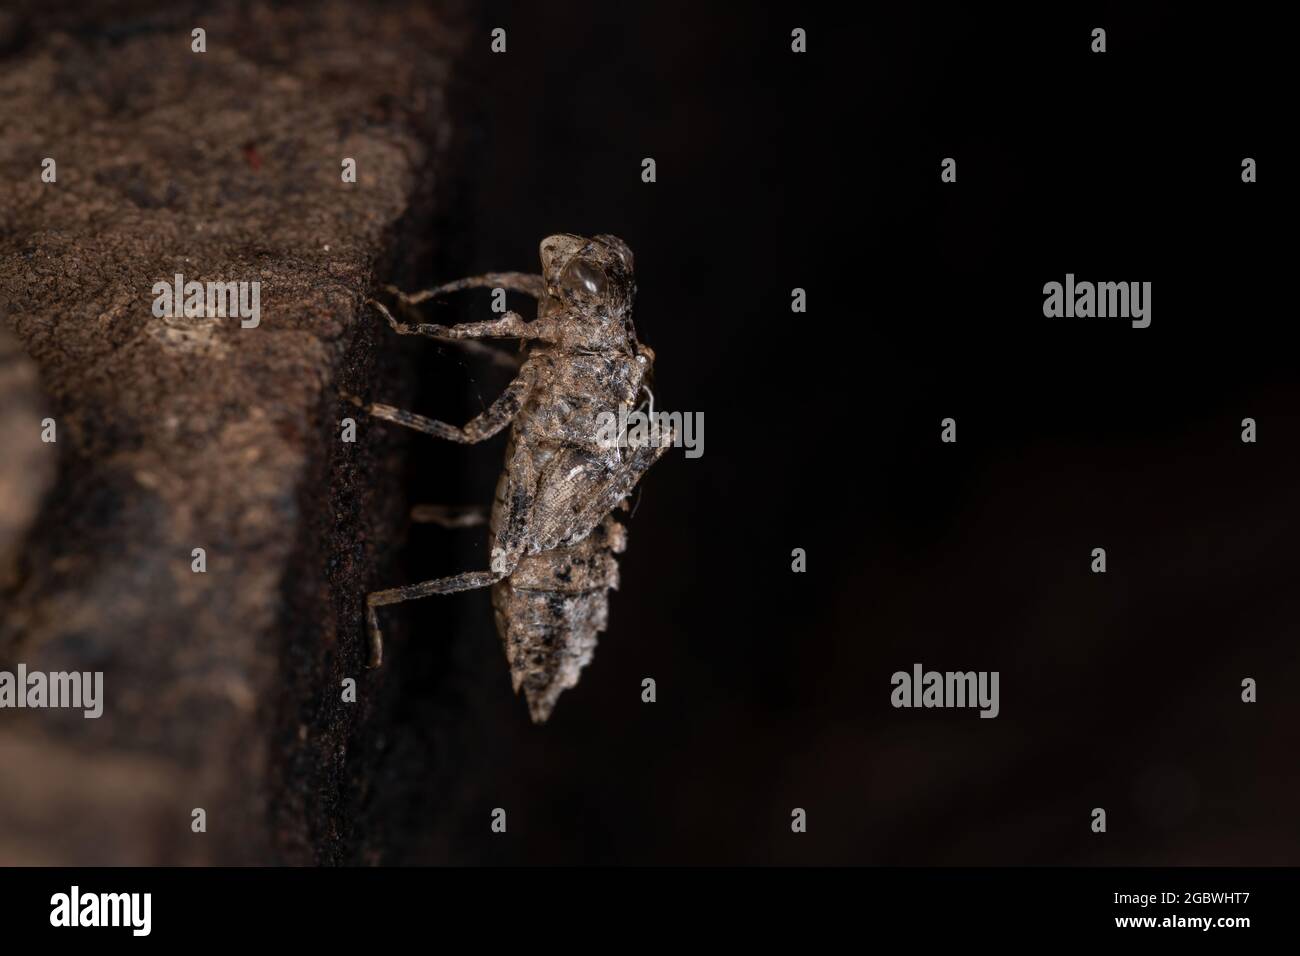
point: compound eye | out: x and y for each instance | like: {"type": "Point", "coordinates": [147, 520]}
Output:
{"type": "Point", "coordinates": [581, 276]}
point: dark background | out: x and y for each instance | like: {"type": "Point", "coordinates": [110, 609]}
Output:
{"type": "Point", "coordinates": [821, 171]}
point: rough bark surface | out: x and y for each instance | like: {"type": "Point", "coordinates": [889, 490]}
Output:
{"type": "Point", "coordinates": [222, 689]}
{"type": "Point", "coordinates": [27, 467]}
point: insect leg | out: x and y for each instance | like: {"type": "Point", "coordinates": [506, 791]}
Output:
{"type": "Point", "coordinates": [496, 356]}
{"type": "Point", "coordinates": [511, 325]}
{"type": "Point", "coordinates": [512, 538]}
{"type": "Point", "coordinates": [449, 516]}
{"type": "Point", "coordinates": [457, 582]}
{"type": "Point", "coordinates": [498, 415]}
{"type": "Point", "coordinates": [525, 282]}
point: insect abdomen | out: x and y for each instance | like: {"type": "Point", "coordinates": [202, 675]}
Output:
{"type": "Point", "coordinates": [550, 611]}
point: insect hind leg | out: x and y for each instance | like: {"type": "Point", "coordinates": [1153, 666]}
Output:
{"type": "Point", "coordinates": [411, 592]}
{"type": "Point", "coordinates": [509, 544]}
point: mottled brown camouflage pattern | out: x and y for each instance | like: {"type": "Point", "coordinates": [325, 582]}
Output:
{"type": "Point", "coordinates": [553, 538]}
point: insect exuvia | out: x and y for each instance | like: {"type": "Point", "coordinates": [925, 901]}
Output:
{"type": "Point", "coordinates": [553, 534]}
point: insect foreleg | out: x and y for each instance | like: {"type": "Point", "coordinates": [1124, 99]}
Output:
{"type": "Point", "coordinates": [511, 325]}
{"type": "Point", "coordinates": [496, 356]}
{"type": "Point", "coordinates": [525, 282]}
